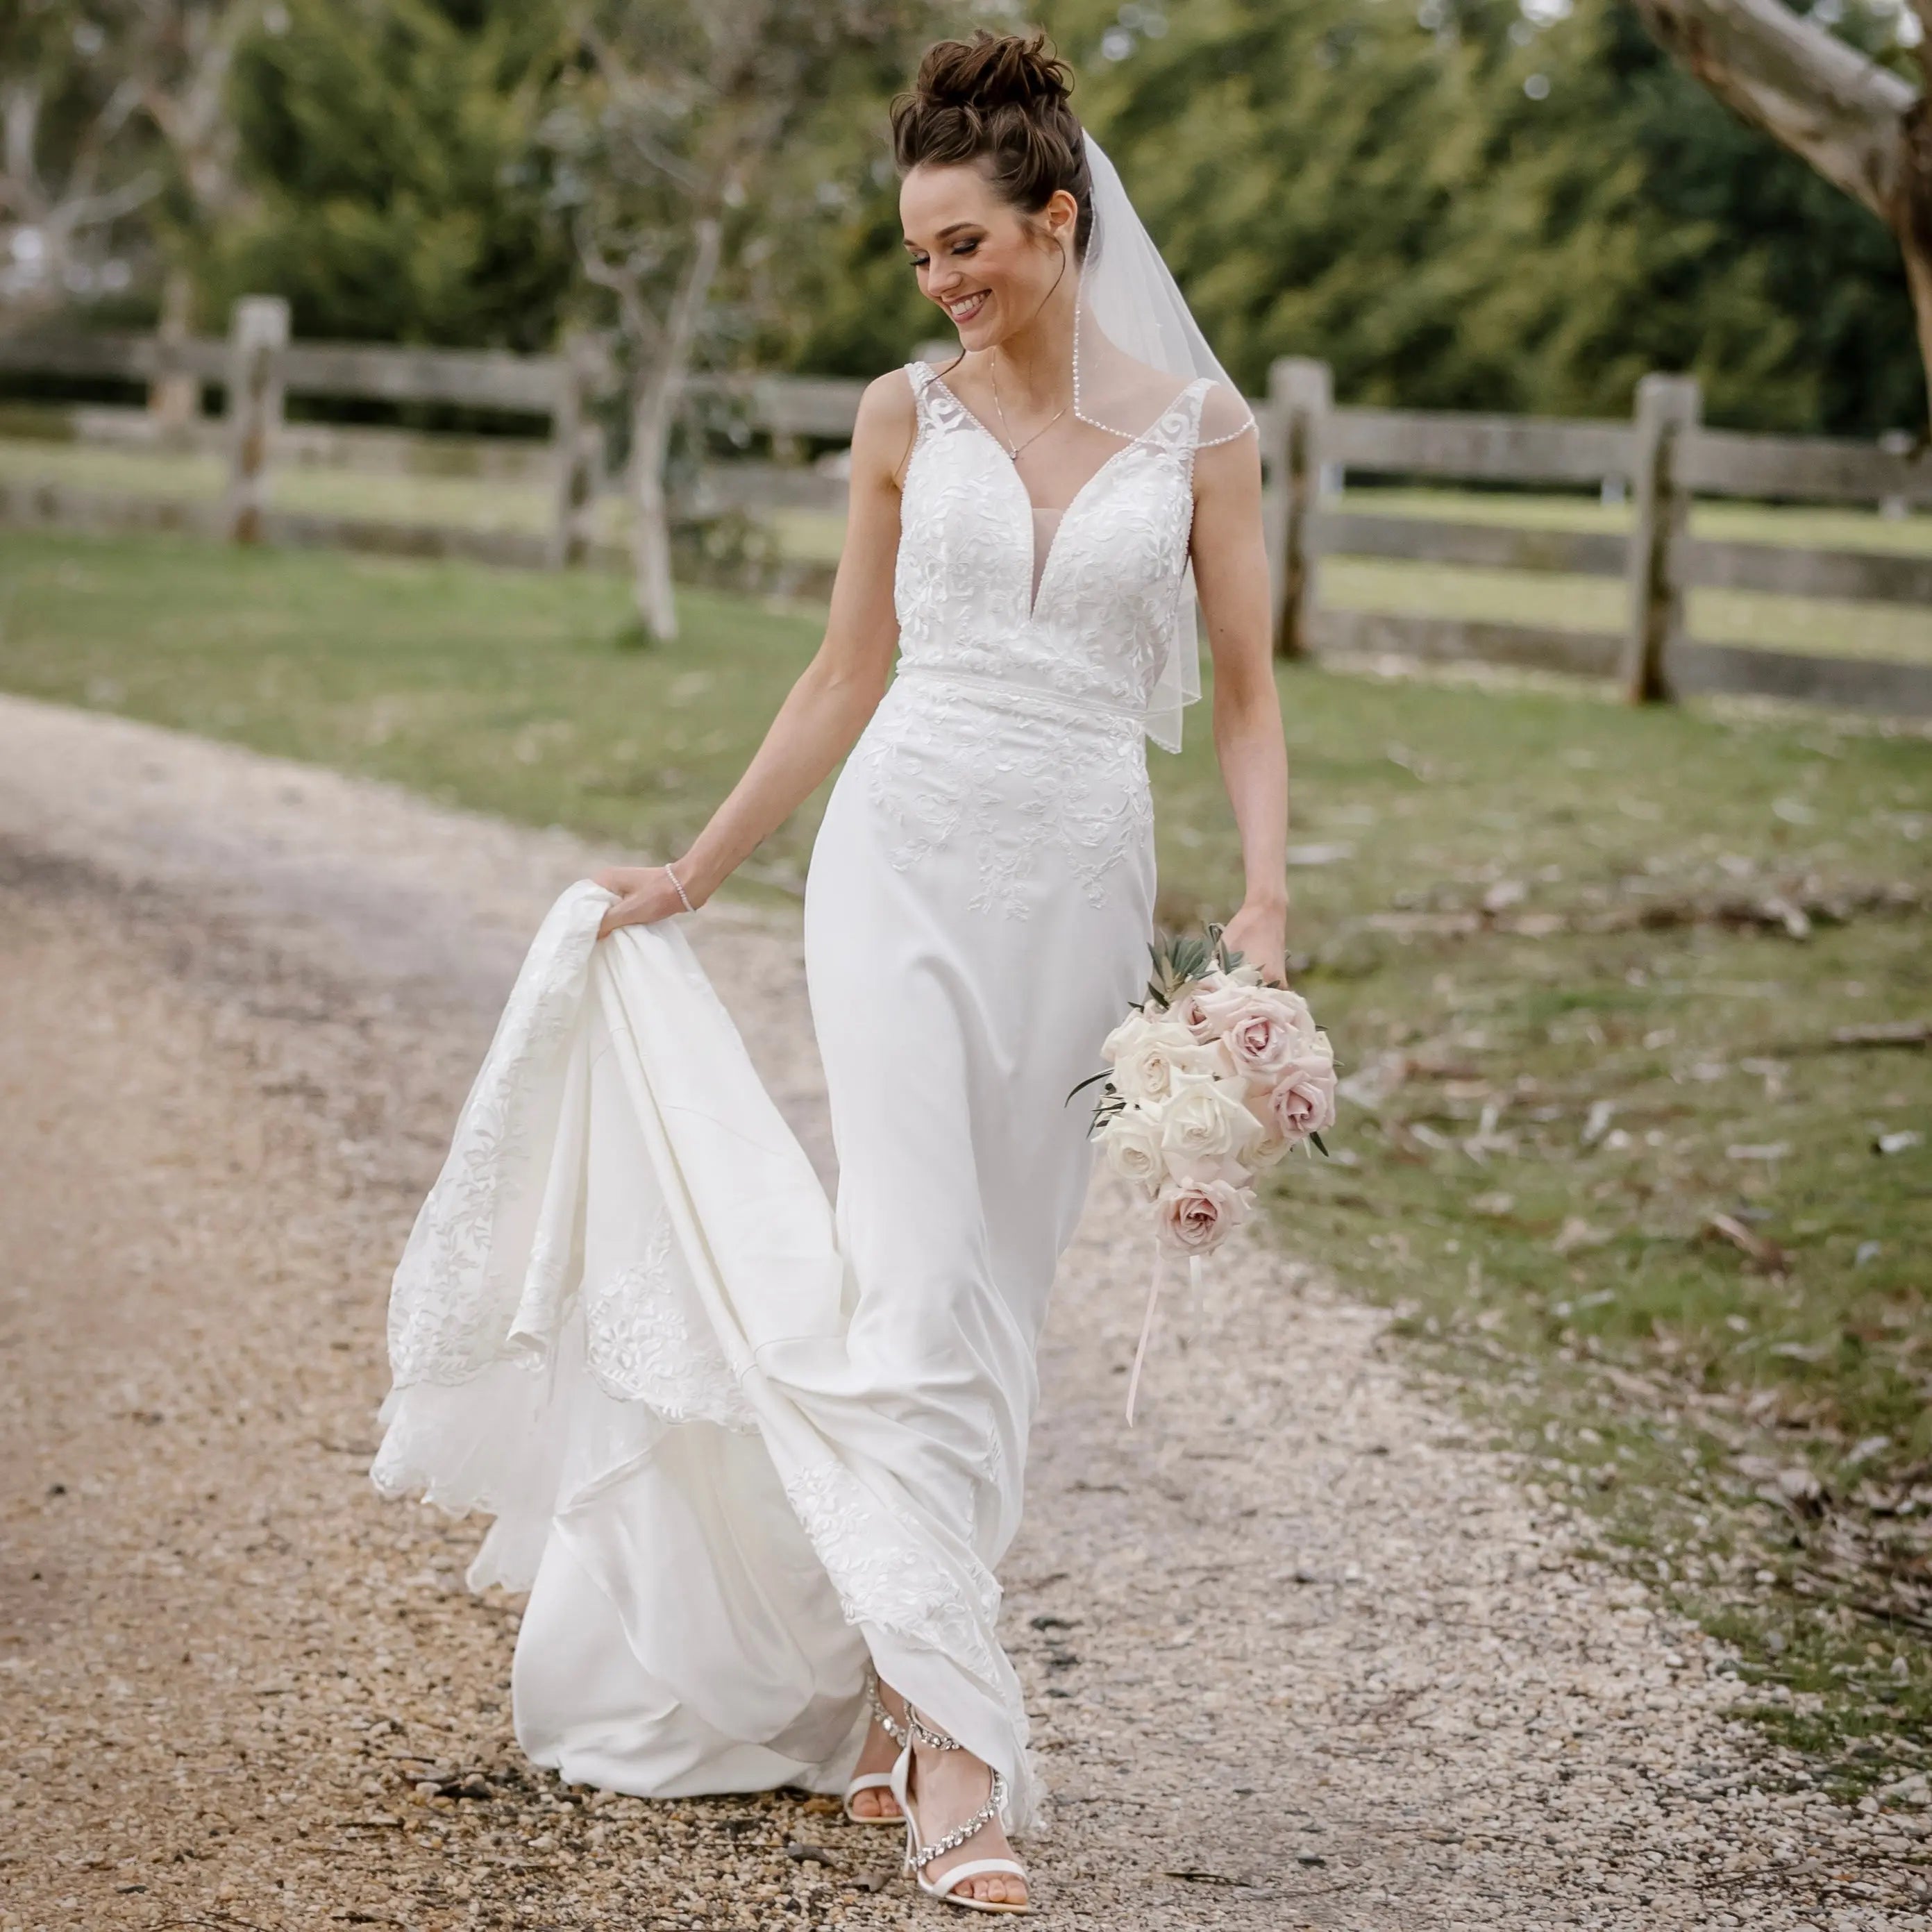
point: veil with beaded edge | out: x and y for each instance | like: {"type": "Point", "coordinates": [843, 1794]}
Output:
{"type": "Point", "coordinates": [1130, 318]}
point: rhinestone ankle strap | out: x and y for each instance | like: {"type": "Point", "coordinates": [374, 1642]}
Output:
{"type": "Point", "coordinates": [996, 1798]}
{"type": "Point", "coordinates": [932, 1740]}
{"type": "Point", "coordinates": [887, 1722]}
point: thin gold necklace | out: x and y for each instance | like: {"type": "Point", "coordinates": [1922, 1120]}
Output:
{"type": "Point", "coordinates": [1012, 448]}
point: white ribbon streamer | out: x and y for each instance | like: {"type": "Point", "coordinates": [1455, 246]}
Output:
{"type": "Point", "coordinates": [1147, 1320]}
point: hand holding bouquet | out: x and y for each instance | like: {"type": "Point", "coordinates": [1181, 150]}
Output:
{"type": "Point", "coordinates": [1213, 1077]}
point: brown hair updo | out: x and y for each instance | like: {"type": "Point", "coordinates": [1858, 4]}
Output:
{"type": "Point", "coordinates": [1001, 100]}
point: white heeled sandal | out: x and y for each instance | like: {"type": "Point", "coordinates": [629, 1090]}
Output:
{"type": "Point", "coordinates": [877, 1780]}
{"type": "Point", "coordinates": [920, 1854]}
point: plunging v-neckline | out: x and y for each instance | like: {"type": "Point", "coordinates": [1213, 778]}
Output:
{"type": "Point", "coordinates": [1036, 566]}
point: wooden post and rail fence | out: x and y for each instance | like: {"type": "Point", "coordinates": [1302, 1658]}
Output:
{"type": "Point", "coordinates": [1664, 458]}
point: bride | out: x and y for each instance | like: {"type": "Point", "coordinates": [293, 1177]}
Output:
{"type": "Point", "coordinates": [759, 1516]}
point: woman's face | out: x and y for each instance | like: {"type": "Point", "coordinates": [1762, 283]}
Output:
{"type": "Point", "coordinates": [988, 266]}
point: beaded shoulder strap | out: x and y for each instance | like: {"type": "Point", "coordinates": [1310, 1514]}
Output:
{"type": "Point", "coordinates": [1178, 426]}
{"type": "Point", "coordinates": [938, 407]}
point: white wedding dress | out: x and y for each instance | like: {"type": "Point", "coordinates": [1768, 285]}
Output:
{"type": "Point", "coordinates": [734, 1440]}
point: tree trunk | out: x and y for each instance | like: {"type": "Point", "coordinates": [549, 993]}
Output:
{"type": "Point", "coordinates": [655, 391]}
{"type": "Point", "coordinates": [174, 401]}
{"type": "Point", "coordinates": [1912, 222]}
{"type": "Point", "coordinates": [653, 399]}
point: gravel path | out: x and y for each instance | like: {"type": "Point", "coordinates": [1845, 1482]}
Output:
{"type": "Point", "coordinates": [1301, 1651]}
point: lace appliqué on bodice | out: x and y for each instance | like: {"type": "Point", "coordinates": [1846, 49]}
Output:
{"type": "Point", "coordinates": [955, 762]}
{"type": "Point", "coordinates": [1016, 722]}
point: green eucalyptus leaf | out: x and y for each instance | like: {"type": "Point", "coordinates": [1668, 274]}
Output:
{"type": "Point", "coordinates": [1087, 1082]}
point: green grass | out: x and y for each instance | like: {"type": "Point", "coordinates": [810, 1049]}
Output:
{"type": "Point", "coordinates": [501, 690]}
{"type": "Point", "coordinates": [463, 503]}
{"type": "Point", "coordinates": [1896, 631]}
{"type": "Point", "coordinates": [1555, 964]}
{"type": "Point", "coordinates": [1551, 936]}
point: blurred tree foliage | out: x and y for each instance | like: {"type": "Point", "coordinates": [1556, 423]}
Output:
{"type": "Point", "coordinates": [386, 147]}
{"type": "Point", "coordinates": [1467, 204]}
{"type": "Point", "coordinates": [1502, 204]}
{"type": "Point", "coordinates": [79, 172]}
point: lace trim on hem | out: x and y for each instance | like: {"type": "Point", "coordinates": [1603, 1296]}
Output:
{"type": "Point", "coordinates": [884, 1575]}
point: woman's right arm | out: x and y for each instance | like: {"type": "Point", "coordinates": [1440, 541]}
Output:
{"type": "Point", "coordinates": [836, 693]}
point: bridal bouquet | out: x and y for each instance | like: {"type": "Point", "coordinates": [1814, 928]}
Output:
{"type": "Point", "coordinates": [1213, 1077]}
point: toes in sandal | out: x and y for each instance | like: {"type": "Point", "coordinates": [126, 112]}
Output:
{"type": "Point", "coordinates": [919, 1854]}
{"type": "Point", "coordinates": [877, 1780]}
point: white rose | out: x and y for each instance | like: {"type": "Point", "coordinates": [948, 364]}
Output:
{"type": "Point", "coordinates": [1202, 1170]}
{"type": "Point", "coordinates": [1206, 1120]}
{"type": "Point", "coordinates": [1130, 1143]}
{"type": "Point", "coordinates": [1155, 1056]}
{"type": "Point", "coordinates": [1125, 1036]}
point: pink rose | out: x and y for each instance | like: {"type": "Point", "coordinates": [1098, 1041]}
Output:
{"type": "Point", "coordinates": [1193, 1217]}
{"type": "Point", "coordinates": [1191, 1008]}
{"type": "Point", "coordinates": [1261, 1042]}
{"type": "Point", "coordinates": [1228, 997]}
{"type": "Point", "coordinates": [1301, 1102]}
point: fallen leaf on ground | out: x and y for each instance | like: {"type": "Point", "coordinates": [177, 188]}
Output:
{"type": "Point", "coordinates": [1576, 1233]}
{"type": "Point", "coordinates": [1760, 1251]}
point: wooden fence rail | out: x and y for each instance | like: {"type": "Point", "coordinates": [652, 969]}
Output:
{"type": "Point", "coordinates": [528, 384]}
{"type": "Point", "coordinates": [1664, 458]}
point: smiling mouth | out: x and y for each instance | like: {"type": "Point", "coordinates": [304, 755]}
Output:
{"type": "Point", "coordinates": [967, 306]}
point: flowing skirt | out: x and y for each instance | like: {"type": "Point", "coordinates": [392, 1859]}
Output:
{"type": "Point", "coordinates": [712, 1556]}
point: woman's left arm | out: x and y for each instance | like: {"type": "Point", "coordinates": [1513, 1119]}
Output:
{"type": "Point", "coordinates": [1230, 572]}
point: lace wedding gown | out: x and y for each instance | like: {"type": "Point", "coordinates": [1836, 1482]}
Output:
{"type": "Point", "coordinates": [735, 1441]}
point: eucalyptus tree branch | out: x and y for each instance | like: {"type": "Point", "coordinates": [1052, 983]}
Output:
{"type": "Point", "coordinates": [91, 211]}
{"type": "Point", "coordinates": [189, 107]}
{"type": "Point", "coordinates": [20, 185]}
{"type": "Point", "coordinates": [1831, 105]}
{"type": "Point", "coordinates": [632, 94]}
{"type": "Point", "coordinates": [23, 188]}
{"type": "Point", "coordinates": [624, 281]}
{"type": "Point", "coordinates": [1861, 126]}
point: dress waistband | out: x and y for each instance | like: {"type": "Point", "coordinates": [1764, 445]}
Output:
{"type": "Point", "coordinates": [1095, 709]}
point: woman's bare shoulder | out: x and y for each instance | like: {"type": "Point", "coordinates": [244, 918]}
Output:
{"type": "Point", "coordinates": [888, 419]}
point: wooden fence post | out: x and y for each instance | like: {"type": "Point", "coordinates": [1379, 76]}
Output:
{"type": "Point", "coordinates": [1300, 395]}
{"type": "Point", "coordinates": [258, 330]}
{"type": "Point", "coordinates": [577, 438]}
{"type": "Point", "coordinates": [1668, 410]}
{"type": "Point", "coordinates": [1894, 442]}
